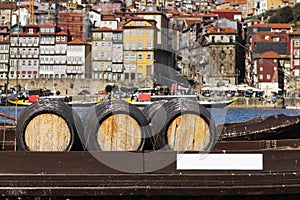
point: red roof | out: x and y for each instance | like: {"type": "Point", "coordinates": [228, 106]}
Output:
{"type": "Point", "coordinates": [77, 42]}
{"type": "Point", "coordinates": [268, 54]}
{"type": "Point", "coordinates": [61, 33]}
{"type": "Point", "coordinates": [103, 29]}
{"type": "Point", "coordinates": [47, 25]}
{"type": "Point", "coordinates": [226, 11]}
{"type": "Point", "coordinates": [190, 22]}
{"type": "Point", "coordinates": [277, 26]}
{"type": "Point", "coordinates": [221, 30]}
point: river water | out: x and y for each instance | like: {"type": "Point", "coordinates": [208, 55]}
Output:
{"type": "Point", "coordinates": [224, 115]}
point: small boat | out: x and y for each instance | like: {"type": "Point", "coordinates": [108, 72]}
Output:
{"type": "Point", "coordinates": [145, 96]}
{"type": "Point", "coordinates": [205, 103]}
{"type": "Point", "coordinates": [27, 98]}
{"type": "Point", "coordinates": [19, 102]}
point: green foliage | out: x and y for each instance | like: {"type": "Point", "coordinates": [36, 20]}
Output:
{"type": "Point", "coordinates": [284, 15]}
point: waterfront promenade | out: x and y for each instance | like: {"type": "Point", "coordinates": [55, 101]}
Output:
{"type": "Point", "coordinates": [244, 102]}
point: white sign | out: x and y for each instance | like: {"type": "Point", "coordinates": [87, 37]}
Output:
{"type": "Point", "coordinates": [218, 161]}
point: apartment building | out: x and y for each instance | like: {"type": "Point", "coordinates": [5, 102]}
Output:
{"type": "Point", "coordinates": [61, 44]}
{"type": "Point", "coordinates": [221, 41]}
{"type": "Point", "coordinates": [269, 68]}
{"type": "Point", "coordinates": [101, 52]}
{"type": "Point", "coordinates": [76, 22]}
{"type": "Point", "coordinates": [78, 54]}
{"type": "Point", "coordinates": [4, 51]}
{"type": "Point", "coordinates": [24, 53]}
{"type": "Point", "coordinates": [47, 51]}
{"type": "Point", "coordinates": [6, 9]}
{"type": "Point", "coordinates": [139, 42]}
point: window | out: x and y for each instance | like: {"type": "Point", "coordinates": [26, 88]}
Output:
{"type": "Point", "coordinates": [268, 76]}
{"type": "Point", "coordinates": [132, 56]}
{"type": "Point", "coordinates": [140, 32]}
{"type": "Point", "coordinates": [63, 38]}
{"type": "Point", "coordinates": [133, 67]}
{"type": "Point", "coordinates": [296, 53]}
{"type": "Point", "coordinates": [126, 76]}
{"type": "Point", "coordinates": [140, 57]}
{"type": "Point", "coordinates": [133, 32]}
{"type": "Point", "coordinates": [126, 67]}
{"type": "Point", "coordinates": [115, 36]}
{"type": "Point", "coordinates": [149, 44]}
{"type": "Point", "coordinates": [132, 76]}
{"type": "Point", "coordinates": [133, 45]}
{"type": "Point", "coordinates": [261, 76]}
{"type": "Point", "coordinates": [120, 36]}
{"type": "Point", "coordinates": [296, 43]}
{"type": "Point", "coordinates": [261, 69]}
{"type": "Point", "coordinates": [140, 44]}
{"type": "Point", "coordinates": [126, 56]}
{"type": "Point", "coordinates": [139, 76]}
{"type": "Point", "coordinates": [149, 32]}
{"type": "Point", "coordinates": [127, 44]}
{"type": "Point", "coordinates": [127, 32]}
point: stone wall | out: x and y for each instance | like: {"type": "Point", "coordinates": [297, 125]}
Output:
{"type": "Point", "coordinates": [243, 102]}
{"type": "Point", "coordinates": [70, 86]}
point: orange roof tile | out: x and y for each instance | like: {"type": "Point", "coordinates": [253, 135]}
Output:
{"type": "Point", "coordinates": [61, 33]}
{"type": "Point", "coordinates": [103, 29]}
{"type": "Point", "coordinates": [221, 30]}
{"type": "Point", "coordinates": [47, 25]}
{"type": "Point", "coordinates": [283, 26]}
{"type": "Point", "coordinates": [277, 26]}
{"type": "Point", "coordinates": [77, 42]}
{"type": "Point", "coordinates": [268, 54]}
{"type": "Point", "coordinates": [190, 22]}
{"type": "Point", "coordinates": [225, 10]}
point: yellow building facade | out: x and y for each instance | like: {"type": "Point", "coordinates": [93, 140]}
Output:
{"type": "Point", "coordinates": [139, 42]}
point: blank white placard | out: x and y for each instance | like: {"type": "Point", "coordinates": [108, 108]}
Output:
{"type": "Point", "coordinates": [214, 161]}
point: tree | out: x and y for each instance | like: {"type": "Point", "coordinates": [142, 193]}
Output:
{"type": "Point", "coordinates": [283, 15]}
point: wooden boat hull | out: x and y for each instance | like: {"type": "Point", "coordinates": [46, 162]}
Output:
{"type": "Point", "coordinates": [271, 127]}
{"type": "Point", "coordinates": [148, 174]}
{"type": "Point", "coordinates": [78, 174]}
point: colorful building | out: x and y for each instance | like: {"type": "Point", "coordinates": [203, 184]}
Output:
{"type": "Point", "coordinates": [139, 43]}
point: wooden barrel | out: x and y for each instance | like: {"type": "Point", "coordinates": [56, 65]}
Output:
{"type": "Point", "coordinates": [115, 126]}
{"type": "Point", "coordinates": [187, 126]}
{"type": "Point", "coordinates": [49, 126]}
{"type": "Point", "coordinates": [156, 122]}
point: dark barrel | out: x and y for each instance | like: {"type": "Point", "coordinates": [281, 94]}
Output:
{"type": "Point", "coordinates": [181, 125]}
{"type": "Point", "coordinates": [116, 126]}
{"type": "Point", "coordinates": [49, 126]}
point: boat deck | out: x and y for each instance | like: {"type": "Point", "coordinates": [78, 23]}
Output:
{"type": "Point", "coordinates": [142, 175]}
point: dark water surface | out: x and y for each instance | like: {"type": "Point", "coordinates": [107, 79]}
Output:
{"type": "Point", "coordinates": [225, 115]}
